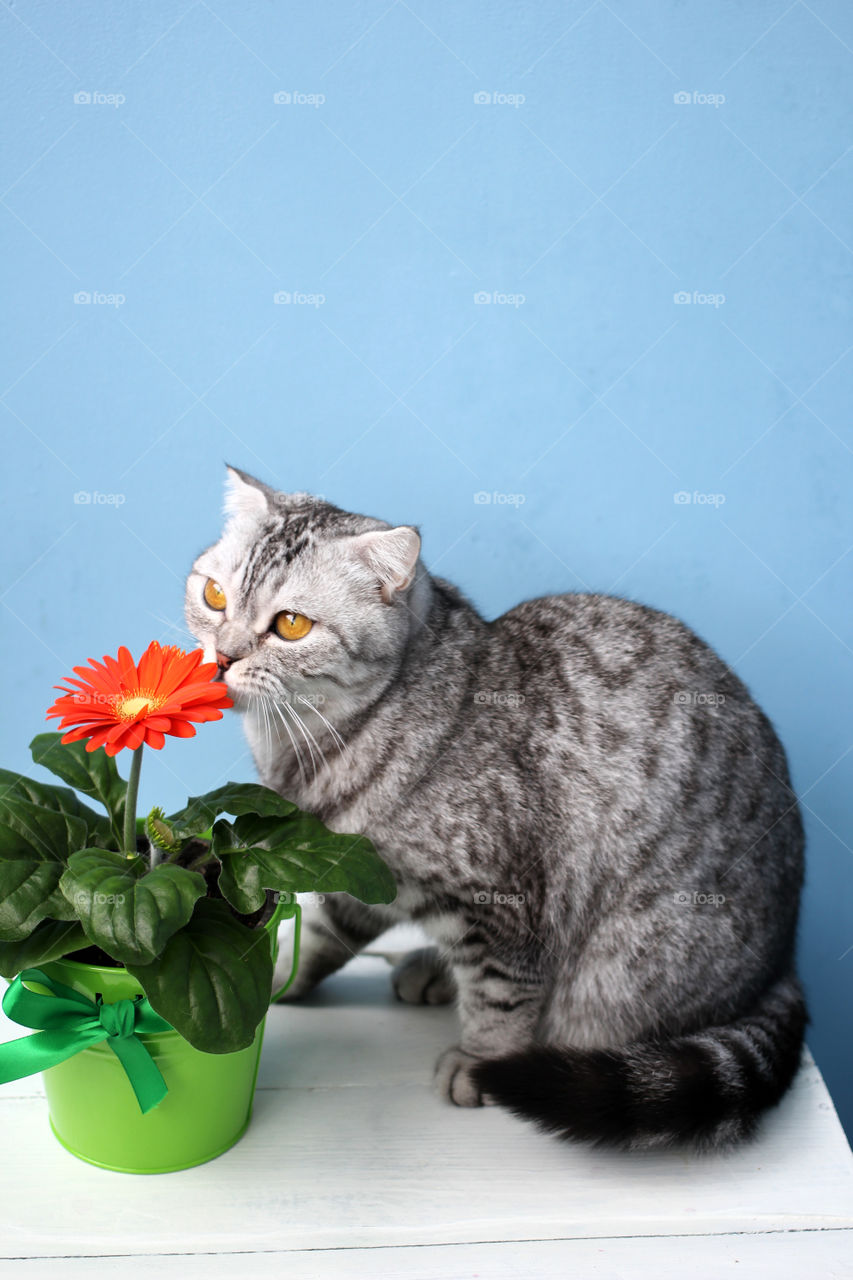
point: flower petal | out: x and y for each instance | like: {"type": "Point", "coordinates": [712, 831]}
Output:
{"type": "Point", "coordinates": [159, 722]}
{"type": "Point", "coordinates": [135, 736]}
{"type": "Point", "coordinates": [182, 729]}
{"type": "Point", "coordinates": [151, 666]}
{"type": "Point", "coordinates": [74, 735]}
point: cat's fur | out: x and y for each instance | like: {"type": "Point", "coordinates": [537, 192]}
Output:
{"type": "Point", "coordinates": [581, 804]}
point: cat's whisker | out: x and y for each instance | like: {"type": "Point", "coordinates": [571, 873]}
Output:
{"type": "Point", "coordinates": [256, 701]}
{"type": "Point", "coordinates": [267, 720]}
{"type": "Point", "coordinates": [310, 740]}
{"type": "Point", "coordinates": [271, 706]}
{"type": "Point", "coordinates": [305, 729]}
{"type": "Point", "coordinates": [187, 640]}
{"type": "Point", "coordinates": [265, 702]}
{"type": "Point", "coordinates": [332, 730]}
{"type": "Point", "coordinates": [275, 706]}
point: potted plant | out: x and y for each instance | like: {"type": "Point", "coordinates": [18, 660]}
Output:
{"type": "Point", "coordinates": [142, 951]}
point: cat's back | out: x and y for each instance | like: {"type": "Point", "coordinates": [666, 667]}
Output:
{"type": "Point", "coordinates": [592, 611]}
{"type": "Point", "coordinates": [632, 701]}
{"type": "Point", "coordinates": [604, 657]}
{"type": "Point", "coordinates": [616, 640]}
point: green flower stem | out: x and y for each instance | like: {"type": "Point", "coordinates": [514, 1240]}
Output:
{"type": "Point", "coordinates": [130, 802]}
{"type": "Point", "coordinates": [201, 861]}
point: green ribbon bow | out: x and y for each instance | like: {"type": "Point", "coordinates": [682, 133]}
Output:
{"type": "Point", "coordinates": [67, 1022]}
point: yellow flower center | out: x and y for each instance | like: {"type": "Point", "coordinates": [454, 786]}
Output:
{"type": "Point", "coordinates": [128, 707]}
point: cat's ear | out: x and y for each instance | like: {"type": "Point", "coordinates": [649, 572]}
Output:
{"type": "Point", "coordinates": [246, 496]}
{"type": "Point", "coordinates": [392, 554]}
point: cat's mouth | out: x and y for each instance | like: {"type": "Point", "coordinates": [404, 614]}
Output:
{"type": "Point", "coordinates": [242, 685]}
{"type": "Point", "coordinates": [211, 655]}
{"type": "Point", "coordinates": [240, 698]}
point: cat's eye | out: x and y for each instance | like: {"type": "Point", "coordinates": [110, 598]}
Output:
{"type": "Point", "coordinates": [291, 626]}
{"type": "Point", "coordinates": [214, 596]}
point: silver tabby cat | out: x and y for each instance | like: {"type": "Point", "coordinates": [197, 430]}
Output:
{"type": "Point", "coordinates": [581, 803]}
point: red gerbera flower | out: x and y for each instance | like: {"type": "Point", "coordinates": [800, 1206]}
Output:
{"type": "Point", "coordinates": [118, 704]}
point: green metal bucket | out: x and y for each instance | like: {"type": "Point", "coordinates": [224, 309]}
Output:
{"type": "Point", "coordinates": [93, 1109]}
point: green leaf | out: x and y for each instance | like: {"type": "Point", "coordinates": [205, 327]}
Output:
{"type": "Point", "coordinates": [35, 844]}
{"type": "Point", "coordinates": [48, 941]}
{"type": "Point", "coordinates": [297, 856]}
{"type": "Point", "coordinates": [129, 911]}
{"type": "Point", "coordinates": [213, 981]}
{"type": "Point", "coordinates": [15, 786]}
{"type": "Point", "coordinates": [92, 772]}
{"type": "Point", "coordinates": [201, 812]}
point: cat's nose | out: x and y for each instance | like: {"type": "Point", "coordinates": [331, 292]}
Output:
{"type": "Point", "coordinates": [223, 660]}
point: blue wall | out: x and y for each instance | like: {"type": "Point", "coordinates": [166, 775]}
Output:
{"type": "Point", "coordinates": [580, 198]}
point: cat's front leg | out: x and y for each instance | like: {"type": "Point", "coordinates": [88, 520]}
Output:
{"type": "Point", "coordinates": [499, 1007]}
{"type": "Point", "coordinates": [332, 933]}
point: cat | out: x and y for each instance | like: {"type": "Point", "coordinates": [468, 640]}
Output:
{"type": "Point", "coordinates": [581, 804]}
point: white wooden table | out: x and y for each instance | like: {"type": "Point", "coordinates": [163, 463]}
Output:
{"type": "Point", "coordinates": [351, 1168]}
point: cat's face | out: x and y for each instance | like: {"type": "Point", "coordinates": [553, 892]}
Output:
{"type": "Point", "coordinates": [300, 599]}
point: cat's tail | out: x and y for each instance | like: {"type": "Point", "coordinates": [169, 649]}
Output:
{"type": "Point", "coordinates": [707, 1089]}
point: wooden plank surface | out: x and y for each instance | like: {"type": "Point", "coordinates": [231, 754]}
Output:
{"type": "Point", "coordinates": [349, 1150]}
{"type": "Point", "coordinates": [824, 1255]}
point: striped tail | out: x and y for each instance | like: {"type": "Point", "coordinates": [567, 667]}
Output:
{"type": "Point", "coordinates": [706, 1089]}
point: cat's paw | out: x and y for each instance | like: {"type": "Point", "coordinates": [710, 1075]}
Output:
{"type": "Point", "coordinates": [454, 1082]}
{"type": "Point", "coordinates": [423, 978]}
